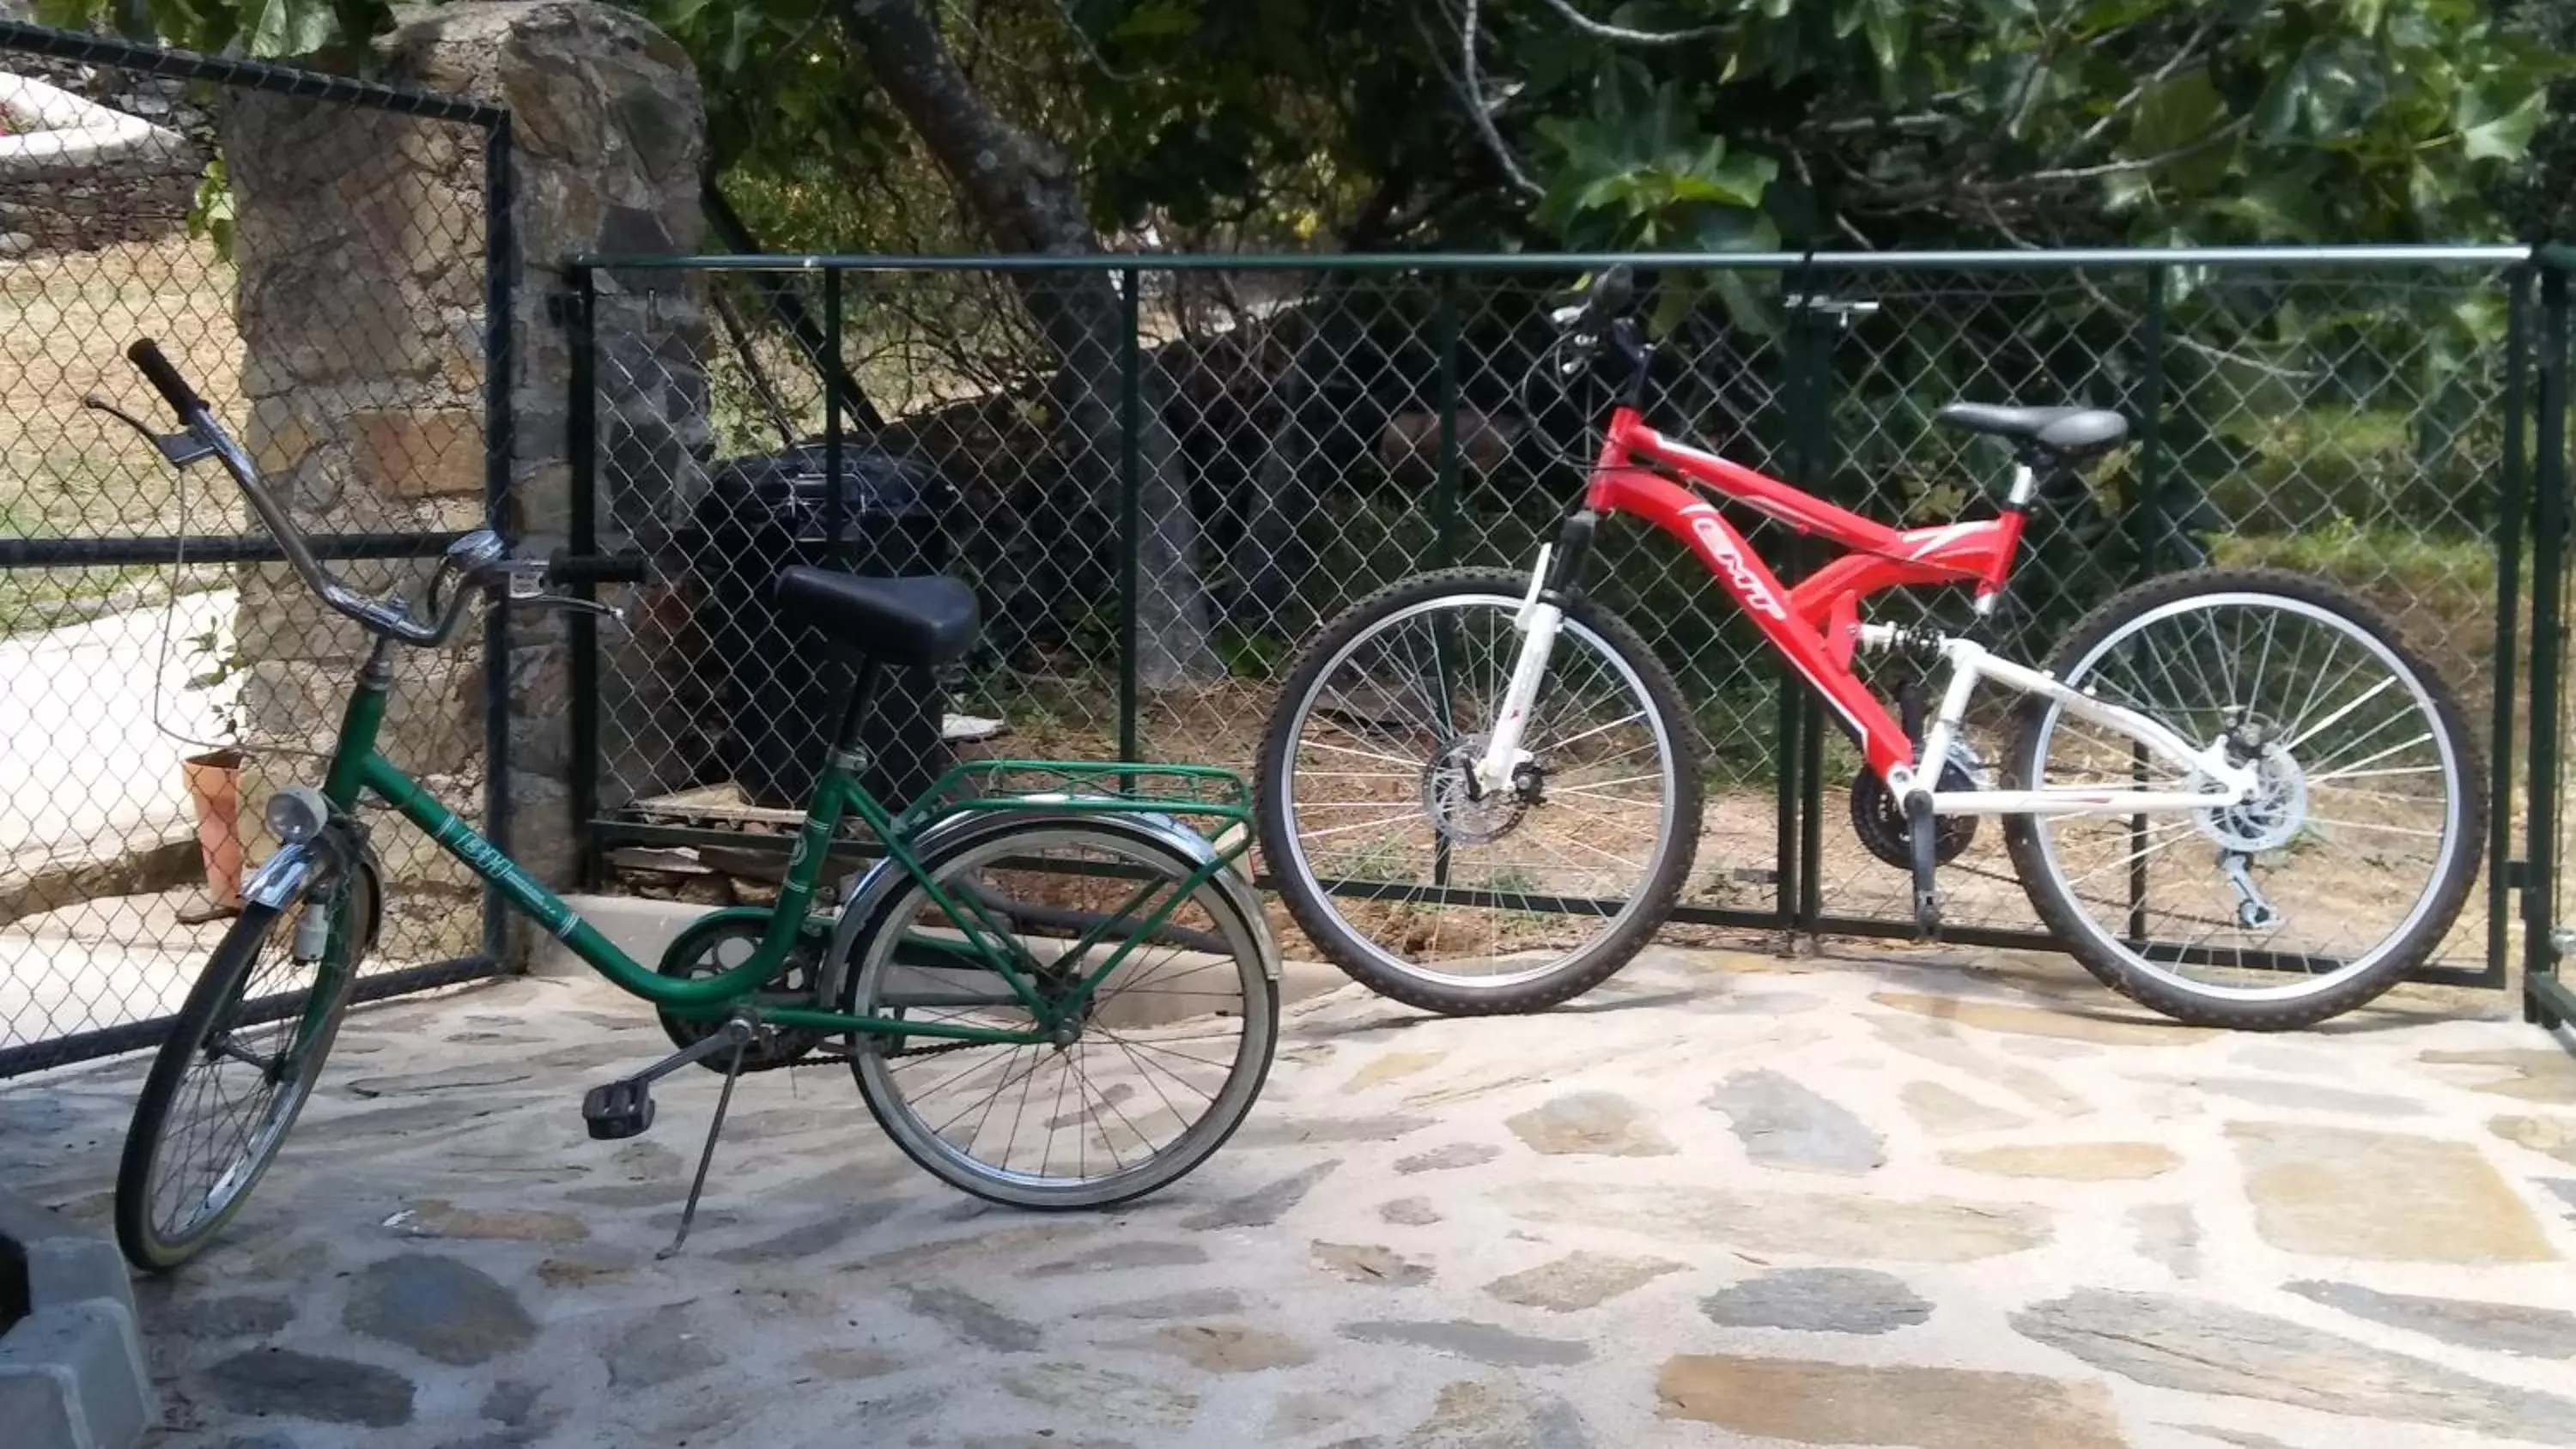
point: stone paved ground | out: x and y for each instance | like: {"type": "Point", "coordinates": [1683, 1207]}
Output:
{"type": "Point", "coordinates": [1729, 1197]}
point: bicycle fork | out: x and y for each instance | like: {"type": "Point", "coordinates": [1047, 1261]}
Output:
{"type": "Point", "coordinates": [1553, 581]}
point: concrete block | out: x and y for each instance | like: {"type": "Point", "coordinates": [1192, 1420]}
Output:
{"type": "Point", "coordinates": [43, 1403]}
{"type": "Point", "coordinates": [72, 1371]}
{"type": "Point", "coordinates": [77, 1366]}
{"type": "Point", "coordinates": [64, 1263]}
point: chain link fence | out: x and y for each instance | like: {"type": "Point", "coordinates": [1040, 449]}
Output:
{"type": "Point", "coordinates": [161, 671]}
{"type": "Point", "coordinates": [1163, 475]}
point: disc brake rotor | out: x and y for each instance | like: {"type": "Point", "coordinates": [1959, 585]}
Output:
{"type": "Point", "coordinates": [1455, 811]}
{"type": "Point", "coordinates": [2268, 819]}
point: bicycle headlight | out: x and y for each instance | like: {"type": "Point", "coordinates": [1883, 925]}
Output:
{"type": "Point", "coordinates": [296, 814]}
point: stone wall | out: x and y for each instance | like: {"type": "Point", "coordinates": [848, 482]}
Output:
{"type": "Point", "coordinates": [359, 238]}
{"type": "Point", "coordinates": [141, 198]}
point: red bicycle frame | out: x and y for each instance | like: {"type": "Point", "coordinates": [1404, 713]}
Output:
{"type": "Point", "coordinates": [1817, 624]}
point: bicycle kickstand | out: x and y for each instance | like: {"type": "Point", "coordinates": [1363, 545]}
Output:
{"type": "Point", "coordinates": [741, 1033]}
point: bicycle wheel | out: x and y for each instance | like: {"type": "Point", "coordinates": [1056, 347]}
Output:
{"type": "Point", "coordinates": [1510, 903]}
{"type": "Point", "coordinates": [238, 1064]}
{"type": "Point", "coordinates": [1160, 1068]}
{"type": "Point", "coordinates": [2336, 880]}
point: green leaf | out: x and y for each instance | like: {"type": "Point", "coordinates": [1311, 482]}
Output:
{"type": "Point", "coordinates": [1745, 305]}
{"type": "Point", "coordinates": [281, 28]}
{"type": "Point", "coordinates": [2490, 135]}
{"type": "Point", "coordinates": [1735, 229]}
{"type": "Point", "coordinates": [2281, 204]}
{"type": "Point", "coordinates": [1155, 19]}
{"type": "Point", "coordinates": [2183, 110]}
{"type": "Point", "coordinates": [1742, 177]}
{"type": "Point", "coordinates": [1887, 25]}
{"type": "Point", "coordinates": [676, 15]}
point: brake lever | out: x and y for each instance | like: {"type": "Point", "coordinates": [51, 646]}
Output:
{"type": "Point", "coordinates": [181, 449]}
{"type": "Point", "coordinates": [525, 581]}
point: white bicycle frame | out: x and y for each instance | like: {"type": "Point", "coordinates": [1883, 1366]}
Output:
{"type": "Point", "coordinates": [1970, 663]}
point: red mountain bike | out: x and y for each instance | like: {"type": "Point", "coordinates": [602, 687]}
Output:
{"type": "Point", "coordinates": [2232, 794]}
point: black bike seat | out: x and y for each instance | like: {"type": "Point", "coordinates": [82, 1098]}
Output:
{"type": "Point", "coordinates": [912, 622]}
{"type": "Point", "coordinates": [2059, 430]}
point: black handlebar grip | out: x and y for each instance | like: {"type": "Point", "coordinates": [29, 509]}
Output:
{"type": "Point", "coordinates": [146, 355]}
{"type": "Point", "coordinates": [1612, 291]}
{"type": "Point", "coordinates": [566, 567]}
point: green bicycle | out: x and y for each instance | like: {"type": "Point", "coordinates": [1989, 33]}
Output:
{"type": "Point", "coordinates": [1102, 1045]}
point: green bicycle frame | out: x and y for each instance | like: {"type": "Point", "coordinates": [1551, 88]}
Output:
{"type": "Point", "coordinates": [357, 767]}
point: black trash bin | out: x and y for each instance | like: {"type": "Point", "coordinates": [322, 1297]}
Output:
{"type": "Point", "coordinates": [787, 684]}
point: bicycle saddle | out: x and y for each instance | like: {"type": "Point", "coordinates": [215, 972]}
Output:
{"type": "Point", "coordinates": [2060, 430]}
{"type": "Point", "coordinates": [909, 622]}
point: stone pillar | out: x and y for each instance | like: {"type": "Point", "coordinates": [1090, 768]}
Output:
{"type": "Point", "coordinates": [359, 238]}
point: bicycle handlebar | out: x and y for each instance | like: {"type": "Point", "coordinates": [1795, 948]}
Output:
{"type": "Point", "coordinates": [477, 556]}
{"type": "Point", "coordinates": [165, 379]}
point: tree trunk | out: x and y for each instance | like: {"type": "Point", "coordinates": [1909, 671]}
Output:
{"type": "Point", "coordinates": [1022, 193]}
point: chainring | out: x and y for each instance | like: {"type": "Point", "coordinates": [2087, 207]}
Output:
{"type": "Point", "coordinates": [1881, 825]}
{"type": "Point", "coordinates": [698, 954]}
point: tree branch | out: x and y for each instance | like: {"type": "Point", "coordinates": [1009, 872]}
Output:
{"type": "Point", "coordinates": [2142, 163]}
{"type": "Point", "coordinates": [1483, 117]}
{"type": "Point", "coordinates": [1603, 30]}
{"type": "Point", "coordinates": [2139, 91]}
{"type": "Point", "coordinates": [1123, 77]}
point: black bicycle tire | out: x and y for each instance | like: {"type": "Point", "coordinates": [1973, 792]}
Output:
{"type": "Point", "coordinates": [970, 836]}
{"type": "Point", "coordinates": [2063, 916]}
{"type": "Point", "coordinates": [232, 958]}
{"type": "Point", "coordinates": [1588, 966]}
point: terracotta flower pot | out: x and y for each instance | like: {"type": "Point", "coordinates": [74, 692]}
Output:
{"type": "Point", "coordinates": [214, 787]}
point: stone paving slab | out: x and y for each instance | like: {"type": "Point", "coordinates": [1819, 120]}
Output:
{"type": "Point", "coordinates": [1727, 1200]}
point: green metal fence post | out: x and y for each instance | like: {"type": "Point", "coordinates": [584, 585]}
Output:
{"type": "Point", "coordinates": [2155, 520]}
{"type": "Point", "coordinates": [500, 453]}
{"type": "Point", "coordinates": [2150, 538]}
{"type": "Point", "coordinates": [1444, 490]}
{"type": "Point", "coordinates": [2511, 499]}
{"type": "Point", "coordinates": [1130, 510]}
{"type": "Point", "coordinates": [1814, 465]}
{"type": "Point", "coordinates": [2546, 1000]}
{"type": "Point", "coordinates": [581, 451]}
{"type": "Point", "coordinates": [1794, 821]}
{"type": "Point", "coordinates": [828, 368]}
{"type": "Point", "coordinates": [1444, 528]}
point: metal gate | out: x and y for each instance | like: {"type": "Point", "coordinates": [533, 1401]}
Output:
{"type": "Point", "coordinates": [232, 211]}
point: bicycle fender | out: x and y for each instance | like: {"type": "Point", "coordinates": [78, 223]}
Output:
{"type": "Point", "coordinates": [282, 879]}
{"type": "Point", "coordinates": [881, 880]}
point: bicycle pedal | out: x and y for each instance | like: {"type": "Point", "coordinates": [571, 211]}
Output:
{"type": "Point", "coordinates": [618, 1110]}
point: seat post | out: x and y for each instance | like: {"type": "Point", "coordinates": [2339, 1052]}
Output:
{"type": "Point", "coordinates": [862, 695]}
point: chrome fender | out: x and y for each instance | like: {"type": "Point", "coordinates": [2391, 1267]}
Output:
{"type": "Point", "coordinates": [878, 883]}
{"type": "Point", "coordinates": [282, 879]}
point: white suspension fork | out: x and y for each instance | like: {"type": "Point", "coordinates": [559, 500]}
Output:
{"type": "Point", "coordinates": [1537, 624]}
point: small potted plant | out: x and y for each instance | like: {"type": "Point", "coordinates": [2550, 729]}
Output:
{"type": "Point", "coordinates": [213, 778]}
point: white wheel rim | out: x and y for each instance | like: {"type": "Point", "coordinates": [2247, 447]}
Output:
{"type": "Point", "coordinates": [1300, 861]}
{"type": "Point", "coordinates": [2453, 805]}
